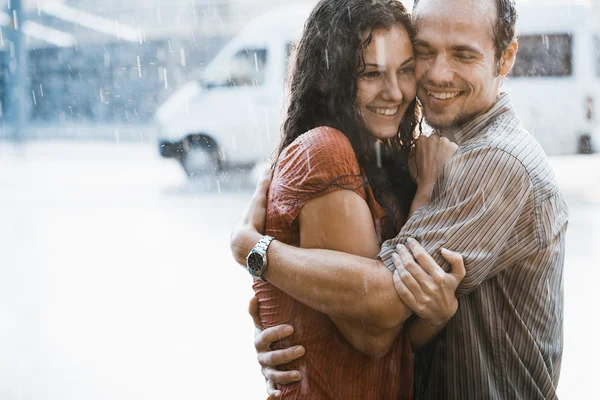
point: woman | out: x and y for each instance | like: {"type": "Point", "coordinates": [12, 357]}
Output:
{"type": "Point", "coordinates": [343, 167]}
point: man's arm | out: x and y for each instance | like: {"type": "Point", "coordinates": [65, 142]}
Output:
{"type": "Point", "coordinates": [479, 198]}
{"type": "Point", "coordinates": [342, 221]}
{"type": "Point", "coordinates": [478, 208]}
{"type": "Point", "coordinates": [331, 282]}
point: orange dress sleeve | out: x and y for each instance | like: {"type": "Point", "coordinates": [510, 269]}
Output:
{"type": "Point", "coordinates": [319, 162]}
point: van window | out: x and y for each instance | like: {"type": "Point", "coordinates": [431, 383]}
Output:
{"type": "Point", "coordinates": [246, 68]}
{"type": "Point", "coordinates": [597, 54]}
{"type": "Point", "coordinates": [544, 55]}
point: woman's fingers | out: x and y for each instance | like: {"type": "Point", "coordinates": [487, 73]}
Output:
{"type": "Point", "coordinates": [423, 258]}
{"type": "Point", "coordinates": [405, 294]}
{"type": "Point", "coordinates": [458, 264]}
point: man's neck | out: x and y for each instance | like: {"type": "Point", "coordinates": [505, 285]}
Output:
{"type": "Point", "coordinates": [450, 132]}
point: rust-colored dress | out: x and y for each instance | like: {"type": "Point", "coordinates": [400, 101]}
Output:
{"type": "Point", "coordinates": [319, 162]}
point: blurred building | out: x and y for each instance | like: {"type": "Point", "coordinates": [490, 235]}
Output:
{"type": "Point", "coordinates": [113, 62]}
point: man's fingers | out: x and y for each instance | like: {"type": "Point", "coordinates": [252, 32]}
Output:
{"type": "Point", "coordinates": [281, 377]}
{"type": "Point", "coordinates": [254, 313]}
{"type": "Point", "coordinates": [274, 358]}
{"type": "Point", "coordinates": [264, 339]}
{"type": "Point", "coordinates": [456, 261]}
{"type": "Point", "coordinates": [272, 390]}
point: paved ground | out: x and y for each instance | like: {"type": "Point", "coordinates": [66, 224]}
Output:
{"type": "Point", "coordinates": [116, 280]}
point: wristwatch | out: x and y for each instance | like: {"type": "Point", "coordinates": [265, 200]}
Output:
{"type": "Point", "coordinates": [256, 262]}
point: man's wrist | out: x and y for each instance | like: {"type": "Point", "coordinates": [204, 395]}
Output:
{"type": "Point", "coordinates": [242, 242]}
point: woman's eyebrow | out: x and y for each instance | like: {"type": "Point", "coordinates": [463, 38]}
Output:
{"type": "Point", "coordinates": [375, 65]}
{"type": "Point", "coordinates": [408, 60]}
{"type": "Point", "coordinates": [418, 42]}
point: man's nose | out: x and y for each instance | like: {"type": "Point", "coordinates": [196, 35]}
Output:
{"type": "Point", "coordinates": [392, 90]}
{"type": "Point", "coordinates": [440, 70]}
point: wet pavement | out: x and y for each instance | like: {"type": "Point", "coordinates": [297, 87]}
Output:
{"type": "Point", "coordinates": [116, 280]}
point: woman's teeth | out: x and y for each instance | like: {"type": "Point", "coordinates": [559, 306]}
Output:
{"type": "Point", "coordinates": [443, 96]}
{"type": "Point", "coordinates": [384, 111]}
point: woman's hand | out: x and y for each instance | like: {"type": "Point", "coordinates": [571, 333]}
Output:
{"type": "Point", "coordinates": [432, 153]}
{"type": "Point", "coordinates": [251, 226]}
{"type": "Point", "coordinates": [424, 286]}
{"type": "Point", "coordinates": [269, 359]}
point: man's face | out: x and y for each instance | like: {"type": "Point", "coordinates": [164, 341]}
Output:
{"type": "Point", "coordinates": [455, 67]}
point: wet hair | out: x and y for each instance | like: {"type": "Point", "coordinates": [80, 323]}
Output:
{"type": "Point", "coordinates": [504, 30]}
{"type": "Point", "coordinates": [324, 70]}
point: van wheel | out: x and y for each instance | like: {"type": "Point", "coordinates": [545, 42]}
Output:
{"type": "Point", "coordinates": [585, 144]}
{"type": "Point", "coordinates": [201, 158]}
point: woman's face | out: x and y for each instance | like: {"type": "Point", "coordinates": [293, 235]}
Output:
{"type": "Point", "coordinates": [387, 86]}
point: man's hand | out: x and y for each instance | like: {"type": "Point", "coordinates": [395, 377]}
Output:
{"type": "Point", "coordinates": [270, 359]}
{"type": "Point", "coordinates": [252, 221]}
{"type": "Point", "coordinates": [424, 286]}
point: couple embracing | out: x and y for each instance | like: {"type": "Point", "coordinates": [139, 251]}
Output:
{"type": "Point", "coordinates": [393, 265]}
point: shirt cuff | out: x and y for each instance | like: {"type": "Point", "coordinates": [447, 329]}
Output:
{"type": "Point", "coordinates": [386, 256]}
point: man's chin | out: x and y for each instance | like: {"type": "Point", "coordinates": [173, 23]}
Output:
{"type": "Point", "coordinates": [437, 121]}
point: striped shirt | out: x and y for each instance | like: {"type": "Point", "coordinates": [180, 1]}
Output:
{"type": "Point", "coordinates": [497, 203]}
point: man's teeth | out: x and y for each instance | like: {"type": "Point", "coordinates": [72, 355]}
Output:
{"type": "Point", "coordinates": [385, 111]}
{"type": "Point", "coordinates": [443, 96]}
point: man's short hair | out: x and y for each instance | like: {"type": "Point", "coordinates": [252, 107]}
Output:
{"type": "Point", "coordinates": [504, 30]}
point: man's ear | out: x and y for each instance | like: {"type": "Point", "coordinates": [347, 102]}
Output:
{"type": "Point", "coordinates": [508, 58]}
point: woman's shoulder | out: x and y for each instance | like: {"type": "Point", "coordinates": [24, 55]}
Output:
{"type": "Point", "coordinates": [317, 160]}
{"type": "Point", "coordinates": [316, 163]}
{"type": "Point", "coordinates": [322, 145]}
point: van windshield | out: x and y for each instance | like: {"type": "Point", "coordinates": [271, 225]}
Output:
{"type": "Point", "coordinates": [246, 68]}
{"type": "Point", "coordinates": [544, 55]}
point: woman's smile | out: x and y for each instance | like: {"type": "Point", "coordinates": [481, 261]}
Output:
{"type": "Point", "coordinates": [384, 112]}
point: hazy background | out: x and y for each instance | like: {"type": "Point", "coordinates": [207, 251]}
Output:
{"type": "Point", "coordinates": [116, 279]}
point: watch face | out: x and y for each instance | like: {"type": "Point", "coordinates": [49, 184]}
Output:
{"type": "Point", "coordinates": [255, 262]}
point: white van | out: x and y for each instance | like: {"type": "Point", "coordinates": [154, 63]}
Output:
{"type": "Point", "coordinates": [232, 117]}
{"type": "Point", "coordinates": [555, 83]}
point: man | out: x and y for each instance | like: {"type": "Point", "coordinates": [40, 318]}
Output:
{"type": "Point", "coordinates": [496, 203]}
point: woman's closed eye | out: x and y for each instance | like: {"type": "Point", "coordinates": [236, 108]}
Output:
{"type": "Point", "coordinates": [407, 70]}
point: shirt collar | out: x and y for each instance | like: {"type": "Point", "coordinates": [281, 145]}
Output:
{"type": "Point", "coordinates": [469, 130]}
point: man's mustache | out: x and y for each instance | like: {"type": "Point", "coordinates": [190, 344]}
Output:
{"type": "Point", "coordinates": [437, 85]}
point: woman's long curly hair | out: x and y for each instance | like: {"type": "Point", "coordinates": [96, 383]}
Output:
{"type": "Point", "coordinates": [325, 67]}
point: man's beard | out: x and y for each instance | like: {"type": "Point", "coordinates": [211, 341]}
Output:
{"type": "Point", "coordinates": [459, 120]}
